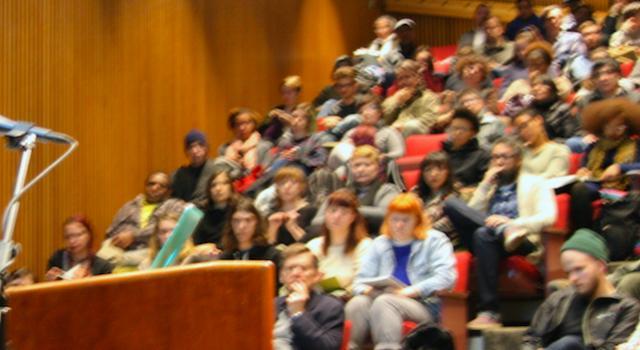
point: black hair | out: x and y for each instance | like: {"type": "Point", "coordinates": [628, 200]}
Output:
{"type": "Point", "coordinates": [438, 159]}
{"type": "Point", "coordinates": [463, 113]}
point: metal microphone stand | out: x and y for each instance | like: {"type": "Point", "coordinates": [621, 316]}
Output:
{"type": "Point", "coordinates": [22, 139]}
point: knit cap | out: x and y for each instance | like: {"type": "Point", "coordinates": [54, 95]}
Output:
{"type": "Point", "coordinates": [195, 135]}
{"type": "Point", "coordinates": [588, 242]}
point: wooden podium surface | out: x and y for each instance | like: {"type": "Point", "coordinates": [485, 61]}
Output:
{"type": "Point", "coordinates": [219, 305]}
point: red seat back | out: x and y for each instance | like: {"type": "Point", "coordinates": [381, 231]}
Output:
{"type": "Point", "coordinates": [411, 178]}
{"type": "Point", "coordinates": [574, 162]}
{"type": "Point", "coordinates": [463, 265]}
{"type": "Point", "coordinates": [346, 335]}
{"type": "Point", "coordinates": [626, 68]}
{"type": "Point", "coordinates": [441, 52]}
{"type": "Point", "coordinates": [421, 145]}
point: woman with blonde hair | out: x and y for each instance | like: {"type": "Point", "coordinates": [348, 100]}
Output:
{"type": "Point", "coordinates": [416, 260]}
{"type": "Point", "coordinates": [344, 239]}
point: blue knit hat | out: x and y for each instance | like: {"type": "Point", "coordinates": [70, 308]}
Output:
{"type": "Point", "coordinates": [195, 135]}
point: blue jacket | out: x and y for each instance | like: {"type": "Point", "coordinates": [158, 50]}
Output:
{"type": "Point", "coordinates": [431, 266]}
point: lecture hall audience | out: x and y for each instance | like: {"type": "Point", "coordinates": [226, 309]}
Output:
{"type": "Point", "coordinates": [554, 79]}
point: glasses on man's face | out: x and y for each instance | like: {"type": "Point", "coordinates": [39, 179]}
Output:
{"type": "Point", "coordinates": [523, 125]}
{"type": "Point", "coordinates": [344, 85]}
{"type": "Point", "coordinates": [503, 156]}
{"type": "Point", "coordinates": [455, 129]}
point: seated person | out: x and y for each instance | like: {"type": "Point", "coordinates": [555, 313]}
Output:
{"type": "Point", "coordinates": [244, 237]}
{"type": "Point", "coordinates": [344, 240]}
{"type": "Point", "coordinates": [406, 34]}
{"type": "Point", "coordinates": [436, 183]}
{"type": "Point", "coordinates": [188, 254]}
{"type": "Point", "coordinates": [516, 68]}
{"type": "Point", "coordinates": [412, 109]}
{"type": "Point", "coordinates": [299, 146]}
{"type": "Point", "coordinates": [385, 43]}
{"type": "Point", "coordinates": [497, 48]}
{"type": "Point", "coordinates": [76, 260]}
{"type": "Point", "coordinates": [413, 253]}
{"type": "Point", "coordinates": [189, 182]}
{"type": "Point", "coordinates": [538, 57]}
{"type": "Point", "coordinates": [468, 160]}
{"type": "Point", "coordinates": [476, 37]}
{"type": "Point", "coordinates": [329, 92]}
{"type": "Point", "coordinates": [606, 77]}
{"type": "Point", "coordinates": [542, 157]}
{"type": "Point", "coordinates": [613, 122]}
{"type": "Point", "coordinates": [471, 72]}
{"type": "Point", "coordinates": [566, 43]}
{"type": "Point", "coordinates": [629, 32]}
{"type": "Point", "coordinates": [332, 112]}
{"type": "Point", "coordinates": [559, 122]}
{"type": "Point", "coordinates": [505, 216]}
{"type": "Point", "coordinates": [289, 218]}
{"type": "Point", "coordinates": [425, 58]}
{"type": "Point", "coordinates": [279, 118]}
{"type": "Point", "coordinates": [247, 150]}
{"type": "Point", "coordinates": [129, 232]}
{"type": "Point", "coordinates": [491, 127]}
{"type": "Point", "coordinates": [216, 208]}
{"type": "Point", "coordinates": [526, 18]}
{"type": "Point", "coordinates": [304, 318]}
{"type": "Point", "coordinates": [373, 192]}
{"type": "Point", "coordinates": [386, 139]}
{"type": "Point", "coordinates": [590, 314]}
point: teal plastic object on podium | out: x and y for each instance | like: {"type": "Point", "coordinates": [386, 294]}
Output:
{"type": "Point", "coordinates": [187, 223]}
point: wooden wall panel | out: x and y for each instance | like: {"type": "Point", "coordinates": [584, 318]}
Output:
{"type": "Point", "coordinates": [129, 78]}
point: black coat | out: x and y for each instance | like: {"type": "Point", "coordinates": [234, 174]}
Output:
{"type": "Point", "coordinates": [469, 163]}
{"type": "Point", "coordinates": [321, 324]}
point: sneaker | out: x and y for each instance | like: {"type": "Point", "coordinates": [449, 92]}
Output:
{"type": "Point", "coordinates": [513, 237]}
{"type": "Point", "coordinates": [484, 320]}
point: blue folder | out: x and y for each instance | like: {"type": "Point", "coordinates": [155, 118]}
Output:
{"type": "Point", "coordinates": [187, 223]}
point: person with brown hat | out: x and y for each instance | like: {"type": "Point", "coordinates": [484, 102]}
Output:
{"type": "Point", "coordinates": [590, 314]}
{"type": "Point", "coordinates": [613, 121]}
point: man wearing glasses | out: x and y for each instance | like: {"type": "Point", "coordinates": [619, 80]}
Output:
{"type": "Point", "coordinates": [504, 217]}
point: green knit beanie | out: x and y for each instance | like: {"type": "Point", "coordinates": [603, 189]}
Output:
{"type": "Point", "coordinates": [588, 242]}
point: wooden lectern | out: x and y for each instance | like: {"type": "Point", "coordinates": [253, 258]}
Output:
{"type": "Point", "coordinates": [218, 305]}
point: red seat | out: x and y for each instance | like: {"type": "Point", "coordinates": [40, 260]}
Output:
{"type": "Point", "coordinates": [626, 68]}
{"type": "Point", "coordinates": [463, 264]}
{"type": "Point", "coordinates": [417, 147]}
{"type": "Point", "coordinates": [410, 178]}
{"type": "Point", "coordinates": [346, 335]}
{"type": "Point", "coordinates": [441, 52]}
{"type": "Point", "coordinates": [574, 162]}
{"type": "Point", "coordinates": [442, 67]}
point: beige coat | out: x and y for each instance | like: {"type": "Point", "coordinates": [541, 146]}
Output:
{"type": "Point", "coordinates": [536, 207]}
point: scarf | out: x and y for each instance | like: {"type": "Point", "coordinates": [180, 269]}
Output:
{"type": "Point", "coordinates": [625, 152]}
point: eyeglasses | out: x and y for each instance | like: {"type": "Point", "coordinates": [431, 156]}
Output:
{"type": "Point", "coordinates": [504, 156]}
{"type": "Point", "coordinates": [454, 129]}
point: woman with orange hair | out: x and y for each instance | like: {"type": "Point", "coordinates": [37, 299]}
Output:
{"type": "Point", "coordinates": [419, 261]}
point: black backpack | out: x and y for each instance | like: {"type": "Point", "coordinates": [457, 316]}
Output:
{"type": "Point", "coordinates": [620, 225]}
{"type": "Point", "coordinates": [428, 336]}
